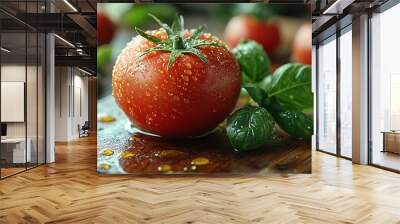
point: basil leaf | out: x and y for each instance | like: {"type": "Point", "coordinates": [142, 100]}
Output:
{"type": "Point", "coordinates": [254, 62]}
{"type": "Point", "coordinates": [295, 123]}
{"type": "Point", "coordinates": [291, 86]}
{"type": "Point", "coordinates": [250, 128]}
{"type": "Point", "coordinates": [257, 94]}
{"type": "Point", "coordinates": [266, 83]}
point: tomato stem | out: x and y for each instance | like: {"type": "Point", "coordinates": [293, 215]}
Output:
{"type": "Point", "coordinates": [178, 43]}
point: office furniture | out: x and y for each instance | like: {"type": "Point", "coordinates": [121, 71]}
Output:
{"type": "Point", "coordinates": [391, 141]}
{"type": "Point", "coordinates": [13, 150]}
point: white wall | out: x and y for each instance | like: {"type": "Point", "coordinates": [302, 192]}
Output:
{"type": "Point", "coordinates": [71, 102]}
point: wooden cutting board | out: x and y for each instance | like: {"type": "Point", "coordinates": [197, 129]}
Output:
{"type": "Point", "coordinates": [121, 150]}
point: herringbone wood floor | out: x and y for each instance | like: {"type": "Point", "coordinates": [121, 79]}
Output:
{"type": "Point", "coordinates": [70, 191]}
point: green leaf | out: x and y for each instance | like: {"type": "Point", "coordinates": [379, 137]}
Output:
{"type": "Point", "coordinates": [173, 56]}
{"type": "Point", "coordinates": [157, 48]}
{"type": "Point", "coordinates": [197, 53]}
{"type": "Point", "coordinates": [296, 124]}
{"type": "Point", "coordinates": [260, 11]}
{"type": "Point", "coordinates": [249, 128]}
{"type": "Point", "coordinates": [175, 43]}
{"type": "Point", "coordinates": [291, 87]}
{"type": "Point", "coordinates": [254, 62]}
{"type": "Point", "coordinates": [137, 14]}
{"type": "Point", "coordinates": [103, 57]}
{"type": "Point", "coordinates": [163, 25]}
{"type": "Point", "coordinates": [178, 25]}
{"type": "Point", "coordinates": [148, 36]}
{"type": "Point", "coordinates": [266, 83]}
{"type": "Point", "coordinates": [257, 94]}
{"type": "Point", "coordinates": [197, 32]}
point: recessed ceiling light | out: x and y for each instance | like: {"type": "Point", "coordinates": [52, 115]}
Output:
{"type": "Point", "coordinates": [84, 71]}
{"type": "Point", "coordinates": [64, 40]}
{"type": "Point", "coordinates": [5, 50]}
{"type": "Point", "coordinates": [70, 5]}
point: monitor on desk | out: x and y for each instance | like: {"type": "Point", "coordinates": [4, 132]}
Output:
{"type": "Point", "coordinates": [3, 130]}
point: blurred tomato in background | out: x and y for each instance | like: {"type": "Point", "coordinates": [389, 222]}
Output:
{"type": "Point", "coordinates": [105, 29]}
{"type": "Point", "coordinates": [277, 27]}
{"type": "Point", "coordinates": [246, 27]}
{"type": "Point", "coordinates": [301, 44]}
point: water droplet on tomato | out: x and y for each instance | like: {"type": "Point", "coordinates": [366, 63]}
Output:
{"type": "Point", "coordinates": [200, 161]}
{"type": "Point", "coordinates": [106, 119]}
{"type": "Point", "coordinates": [164, 168]}
{"type": "Point", "coordinates": [185, 78]}
{"type": "Point", "coordinates": [107, 152]}
{"type": "Point", "coordinates": [128, 155]}
{"type": "Point", "coordinates": [104, 166]}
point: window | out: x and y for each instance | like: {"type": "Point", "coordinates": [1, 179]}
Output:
{"type": "Point", "coordinates": [345, 43]}
{"type": "Point", "coordinates": [385, 89]}
{"type": "Point", "coordinates": [327, 96]}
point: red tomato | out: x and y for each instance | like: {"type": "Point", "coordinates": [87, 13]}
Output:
{"type": "Point", "coordinates": [105, 29]}
{"type": "Point", "coordinates": [188, 99]}
{"type": "Point", "coordinates": [246, 27]}
{"type": "Point", "coordinates": [302, 44]}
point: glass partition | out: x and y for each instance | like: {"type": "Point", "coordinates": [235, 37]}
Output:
{"type": "Point", "coordinates": [41, 97]}
{"type": "Point", "coordinates": [385, 89]}
{"type": "Point", "coordinates": [346, 92]}
{"type": "Point", "coordinates": [31, 99]}
{"type": "Point", "coordinates": [327, 95]}
{"type": "Point", "coordinates": [13, 95]}
{"type": "Point", "coordinates": [22, 101]}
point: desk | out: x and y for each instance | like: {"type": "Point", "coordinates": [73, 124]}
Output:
{"type": "Point", "coordinates": [17, 151]}
{"type": "Point", "coordinates": [391, 141]}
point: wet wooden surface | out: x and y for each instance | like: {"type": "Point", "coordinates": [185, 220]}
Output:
{"type": "Point", "coordinates": [120, 150]}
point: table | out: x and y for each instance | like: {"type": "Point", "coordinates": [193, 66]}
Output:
{"type": "Point", "coordinates": [391, 141]}
{"type": "Point", "coordinates": [126, 144]}
{"type": "Point", "coordinates": [18, 150]}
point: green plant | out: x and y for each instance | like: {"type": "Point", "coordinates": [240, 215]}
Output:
{"type": "Point", "coordinates": [250, 127]}
{"type": "Point", "coordinates": [282, 98]}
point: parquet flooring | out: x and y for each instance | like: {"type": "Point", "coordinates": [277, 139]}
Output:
{"type": "Point", "coordinates": [70, 191]}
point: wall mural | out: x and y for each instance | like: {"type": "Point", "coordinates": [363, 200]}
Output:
{"type": "Point", "coordinates": [204, 89]}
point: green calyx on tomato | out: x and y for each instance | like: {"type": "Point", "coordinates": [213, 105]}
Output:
{"type": "Point", "coordinates": [283, 97]}
{"type": "Point", "coordinates": [176, 43]}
